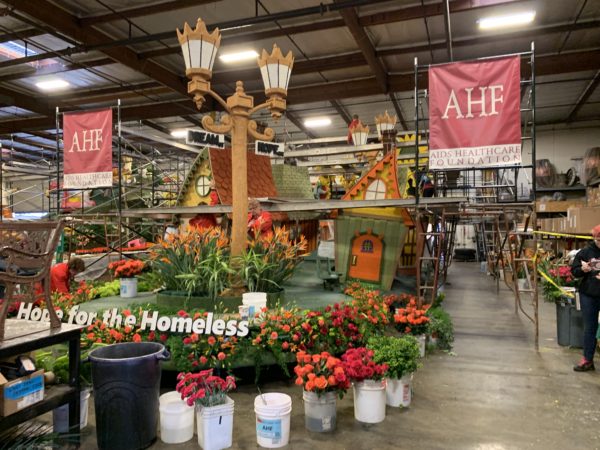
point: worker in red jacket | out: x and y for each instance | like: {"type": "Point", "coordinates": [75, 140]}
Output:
{"type": "Point", "coordinates": [62, 274]}
{"type": "Point", "coordinates": [259, 222]}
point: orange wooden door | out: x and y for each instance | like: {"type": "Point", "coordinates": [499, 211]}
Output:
{"type": "Point", "coordinates": [366, 256]}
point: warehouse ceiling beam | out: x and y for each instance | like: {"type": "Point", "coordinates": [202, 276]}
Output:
{"type": "Point", "coordinates": [366, 47]}
{"type": "Point", "coordinates": [68, 25]}
{"type": "Point", "coordinates": [51, 69]}
{"type": "Point", "coordinates": [584, 97]}
{"type": "Point", "coordinates": [143, 11]}
{"type": "Point", "coordinates": [297, 123]}
{"type": "Point", "coordinates": [155, 126]}
{"type": "Point", "coordinates": [19, 35]}
{"type": "Point", "coordinates": [448, 30]}
{"type": "Point", "coordinates": [191, 119]}
{"type": "Point", "coordinates": [398, 110]}
{"type": "Point", "coordinates": [341, 111]}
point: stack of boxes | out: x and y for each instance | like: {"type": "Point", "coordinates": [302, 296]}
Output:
{"type": "Point", "coordinates": [580, 217]}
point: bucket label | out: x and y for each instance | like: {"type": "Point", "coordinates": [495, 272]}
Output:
{"type": "Point", "coordinates": [269, 429]}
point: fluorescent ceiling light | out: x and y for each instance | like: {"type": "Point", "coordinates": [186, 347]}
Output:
{"type": "Point", "coordinates": [317, 122]}
{"type": "Point", "coordinates": [179, 134]}
{"type": "Point", "coordinates": [510, 20]}
{"type": "Point", "coordinates": [239, 56]}
{"type": "Point", "coordinates": [55, 84]}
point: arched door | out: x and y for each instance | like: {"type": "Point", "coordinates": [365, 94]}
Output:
{"type": "Point", "coordinates": [366, 257]}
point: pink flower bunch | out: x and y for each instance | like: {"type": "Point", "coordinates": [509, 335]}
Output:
{"type": "Point", "coordinates": [204, 388]}
{"type": "Point", "coordinates": [359, 365]}
{"type": "Point", "coordinates": [562, 274]}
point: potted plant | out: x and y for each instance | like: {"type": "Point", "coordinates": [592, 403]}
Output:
{"type": "Point", "coordinates": [368, 384]}
{"type": "Point", "coordinates": [214, 408]}
{"type": "Point", "coordinates": [401, 355]}
{"type": "Point", "coordinates": [126, 270]}
{"type": "Point", "coordinates": [193, 267]}
{"type": "Point", "coordinates": [323, 379]}
{"type": "Point", "coordinates": [440, 328]}
{"type": "Point", "coordinates": [269, 261]}
{"type": "Point", "coordinates": [413, 320]}
{"type": "Point", "coordinates": [560, 286]}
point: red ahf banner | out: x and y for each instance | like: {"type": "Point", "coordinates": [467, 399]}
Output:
{"type": "Point", "coordinates": [474, 117]}
{"type": "Point", "coordinates": [87, 149]}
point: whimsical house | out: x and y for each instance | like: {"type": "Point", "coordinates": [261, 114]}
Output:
{"type": "Point", "coordinates": [369, 241]}
{"type": "Point", "coordinates": [209, 182]}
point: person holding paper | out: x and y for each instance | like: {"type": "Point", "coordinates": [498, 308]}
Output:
{"type": "Point", "coordinates": [586, 265]}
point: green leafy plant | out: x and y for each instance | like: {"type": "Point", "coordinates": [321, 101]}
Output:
{"type": "Point", "coordinates": [401, 354]}
{"type": "Point", "coordinates": [196, 261]}
{"type": "Point", "coordinates": [441, 327]}
{"type": "Point", "coordinates": [270, 260]}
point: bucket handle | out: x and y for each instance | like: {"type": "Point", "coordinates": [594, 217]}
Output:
{"type": "Point", "coordinates": [164, 356]}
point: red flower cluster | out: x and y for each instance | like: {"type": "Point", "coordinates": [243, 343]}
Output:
{"type": "Point", "coordinates": [359, 365]}
{"type": "Point", "coordinates": [321, 373]}
{"type": "Point", "coordinates": [126, 268]}
{"type": "Point", "coordinates": [204, 388]}
{"type": "Point", "coordinates": [412, 320]}
{"type": "Point", "coordinates": [562, 275]}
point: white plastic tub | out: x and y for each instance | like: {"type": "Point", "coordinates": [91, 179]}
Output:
{"type": "Point", "coordinates": [369, 401]}
{"type": "Point", "coordinates": [60, 415]}
{"type": "Point", "coordinates": [128, 287]}
{"type": "Point", "coordinates": [320, 413]}
{"type": "Point", "coordinates": [399, 391]}
{"type": "Point", "coordinates": [215, 425]}
{"type": "Point", "coordinates": [273, 412]}
{"type": "Point", "coordinates": [255, 302]}
{"type": "Point", "coordinates": [176, 419]}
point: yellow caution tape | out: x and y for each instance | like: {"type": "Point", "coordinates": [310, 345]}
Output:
{"type": "Point", "coordinates": [578, 236]}
{"type": "Point", "coordinates": [551, 281]}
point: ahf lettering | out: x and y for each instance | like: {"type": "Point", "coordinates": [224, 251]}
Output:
{"type": "Point", "coordinates": [493, 93]}
{"type": "Point", "coordinates": [87, 141]}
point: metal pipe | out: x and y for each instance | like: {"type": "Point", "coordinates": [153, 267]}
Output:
{"type": "Point", "coordinates": [57, 164]}
{"type": "Point", "coordinates": [120, 175]}
{"type": "Point", "coordinates": [533, 182]}
{"type": "Point", "coordinates": [416, 94]}
{"type": "Point", "coordinates": [448, 29]}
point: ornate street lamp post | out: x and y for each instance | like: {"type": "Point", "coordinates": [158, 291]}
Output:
{"type": "Point", "coordinates": [199, 49]}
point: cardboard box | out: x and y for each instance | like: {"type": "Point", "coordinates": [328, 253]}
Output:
{"type": "Point", "coordinates": [551, 206]}
{"type": "Point", "coordinates": [21, 393]}
{"type": "Point", "coordinates": [593, 196]}
{"type": "Point", "coordinates": [582, 220]}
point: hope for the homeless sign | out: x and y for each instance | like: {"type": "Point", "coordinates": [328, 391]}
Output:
{"type": "Point", "coordinates": [87, 141]}
{"type": "Point", "coordinates": [474, 114]}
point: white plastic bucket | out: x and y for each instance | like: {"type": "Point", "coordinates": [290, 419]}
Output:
{"type": "Point", "coordinates": [399, 391]}
{"type": "Point", "coordinates": [128, 287]}
{"type": "Point", "coordinates": [369, 401]}
{"type": "Point", "coordinates": [215, 425]}
{"type": "Point", "coordinates": [176, 419]}
{"type": "Point", "coordinates": [273, 412]}
{"type": "Point", "coordinates": [255, 301]}
{"type": "Point", "coordinates": [422, 339]}
{"type": "Point", "coordinates": [60, 415]}
{"type": "Point", "coordinates": [319, 412]}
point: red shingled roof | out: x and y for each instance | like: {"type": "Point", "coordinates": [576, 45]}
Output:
{"type": "Point", "coordinates": [260, 177]}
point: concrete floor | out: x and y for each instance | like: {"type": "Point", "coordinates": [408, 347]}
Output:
{"type": "Point", "coordinates": [494, 392]}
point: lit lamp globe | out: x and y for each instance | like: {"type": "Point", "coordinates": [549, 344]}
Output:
{"type": "Point", "coordinates": [384, 122]}
{"type": "Point", "coordinates": [199, 48]}
{"type": "Point", "coordinates": [360, 133]}
{"type": "Point", "coordinates": [276, 70]}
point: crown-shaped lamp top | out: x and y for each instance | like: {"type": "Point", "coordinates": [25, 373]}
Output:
{"type": "Point", "coordinates": [199, 33]}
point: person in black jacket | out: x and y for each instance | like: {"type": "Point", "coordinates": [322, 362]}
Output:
{"type": "Point", "coordinates": [586, 265]}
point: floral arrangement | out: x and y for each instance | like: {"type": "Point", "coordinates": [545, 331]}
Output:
{"type": "Point", "coordinates": [359, 365]}
{"type": "Point", "coordinates": [411, 319]}
{"type": "Point", "coordinates": [197, 351]}
{"type": "Point", "coordinates": [556, 275]}
{"type": "Point", "coordinates": [126, 268]}
{"type": "Point", "coordinates": [270, 260]}
{"type": "Point", "coordinates": [321, 373]}
{"type": "Point", "coordinates": [277, 334]}
{"type": "Point", "coordinates": [203, 388]}
{"type": "Point", "coordinates": [196, 261]}
{"type": "Point", "coordinates": [400, 354]}
{"type": "Point", "coordinates": [441, 327]}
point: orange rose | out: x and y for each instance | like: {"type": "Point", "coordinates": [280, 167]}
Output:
{"type": "Point", "coordinates": [316, 358]}
{"type": "Point", "coordinates": [331, 380]}
{"type": "Point", "coordinates": [299, 381]}
{"type": "Point", "coordinates": [320, 382]}
{"type": "Point", "coordinates": [311, 376]}
{"type": "Point", "coordinates": [309, 386]}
